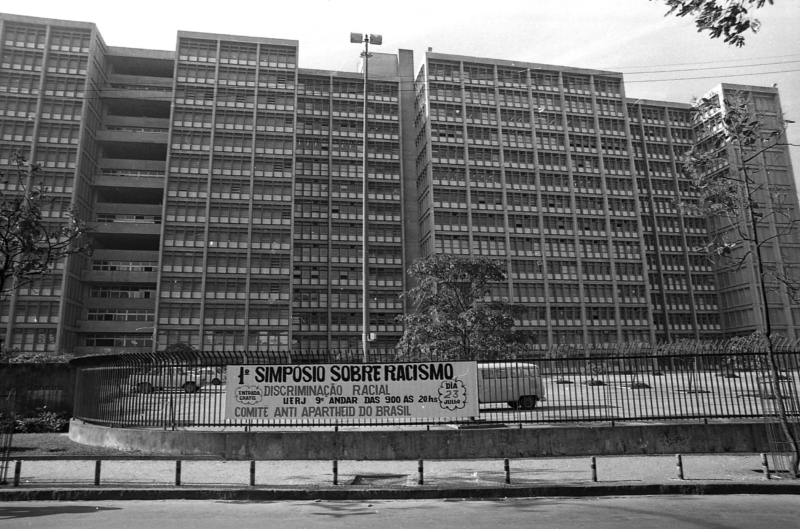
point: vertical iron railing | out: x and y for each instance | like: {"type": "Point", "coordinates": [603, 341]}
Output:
{"type": "Point", "coordinates": [577, 385]}
{"type": "Point", "coordinates": [6, 432]}
{"type": "Point", "coordinates": [780, 447]}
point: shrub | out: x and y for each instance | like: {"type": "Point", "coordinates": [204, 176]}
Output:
{"type": "Point", "coordinates": [15, 357]}
{"type": "Point", "coordinates": [42, 421]}
{"type": "Point", "coordinates": [6, 421]}
{"type": "Point", "coordinates": [594, 382]}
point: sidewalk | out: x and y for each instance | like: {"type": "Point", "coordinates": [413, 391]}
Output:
{"type": "Point", "coordinates": [307, 480]}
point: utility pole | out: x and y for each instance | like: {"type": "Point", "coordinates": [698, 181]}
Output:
{"type": "Point", "coordinates": [377, 40]}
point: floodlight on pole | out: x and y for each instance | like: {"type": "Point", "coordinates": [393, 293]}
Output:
{"type": "Point", "coordinates": [376, 40]}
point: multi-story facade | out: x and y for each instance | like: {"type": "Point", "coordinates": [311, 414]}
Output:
{"type": "Point", "coordinates": [770, 180]}
{"type": "Point", "coordinates": [224, 187]}
{"type": "Point", "coordinates": [554, 170]}
{"type": "Point", "coordinates": [51, 76]}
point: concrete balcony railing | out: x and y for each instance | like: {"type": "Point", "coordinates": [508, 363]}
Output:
{"type": "Point", "coordinates": [104, 276]}
{"type": "Point", "coordinates": [133, 136]}
{"type": "Point", "coordinates": [129, 327]}
{"type": "Point", "coordinates": [116, 228]}
{"type": "Point", "coordinates": [87, 351]}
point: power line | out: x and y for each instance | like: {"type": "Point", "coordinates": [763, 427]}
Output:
{"type": "Point", "coordinates": [700, 62]}
{"type": "Point", "coordinates": [708, 77]}
{"type": "Point", "coordinates": [714, 68]}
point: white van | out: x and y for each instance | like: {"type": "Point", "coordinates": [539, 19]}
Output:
{"type": "Point", "coordinates": [517, 383]}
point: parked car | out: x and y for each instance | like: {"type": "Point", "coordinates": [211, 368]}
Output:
{"type": "Point", "coordinates": [162, 378]}
{"type": "Point", "coordinates": [213, 376]}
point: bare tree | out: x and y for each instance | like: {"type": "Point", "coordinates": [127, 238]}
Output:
{"type": "Point", "coordinates": [751, 215]}
{"type": "Point", "coordinates": [30, 244]}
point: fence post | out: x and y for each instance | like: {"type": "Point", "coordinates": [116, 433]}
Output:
{"type": "Point", "coordinates": [17, 471]}
{"type": "Point", "coordinates": [6, 433]}
{"type": "Point", "coordinates": [178, 473]}
{"type": "Point", "coordinates": [97, 472]}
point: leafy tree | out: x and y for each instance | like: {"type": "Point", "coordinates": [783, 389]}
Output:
{"type": "Point", "coordinates": [750, 214]}
{"type": "Point", "coordinates": [453, 321]}
{"type": "Point", "coordinates": [30, 245]}
{"type": "Point", "coordinates": [728, 18]}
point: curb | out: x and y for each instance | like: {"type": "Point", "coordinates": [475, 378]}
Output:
{"type": "Point", "coordinates": [421, 493]}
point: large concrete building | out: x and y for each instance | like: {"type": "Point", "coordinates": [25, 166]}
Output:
{"type": "Point", "coordinates": [224, 187]}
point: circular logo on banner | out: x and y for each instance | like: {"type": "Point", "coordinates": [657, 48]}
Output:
{"type": "Point", "coordinates": [248, 395]}
{"type": "Point", "coordinates": [452, 395]}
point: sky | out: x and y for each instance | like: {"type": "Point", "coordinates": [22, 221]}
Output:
{"type": "Point", "coordinates": [662, 58]}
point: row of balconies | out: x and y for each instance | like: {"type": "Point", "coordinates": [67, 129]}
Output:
{"type": "Point", "coordinates": [129, 204]}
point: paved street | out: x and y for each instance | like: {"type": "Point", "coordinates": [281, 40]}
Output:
{"type": "Point", "coordinates": [661, 512]}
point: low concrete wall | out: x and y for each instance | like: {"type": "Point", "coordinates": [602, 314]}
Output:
{"type": "Point", "coordinates": [469, 443]}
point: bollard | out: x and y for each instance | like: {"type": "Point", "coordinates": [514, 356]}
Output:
{"type": "Point", "coordinates": [594, 469]}
{"type": "Point", "coordinates": [252, 473]}
{"type": "Point", "coordinates": [17, 472]}
{"type": "Point", "coordinates": [97, 472]}
{"type": "Point", "coordinates": [765, 466]}
{"type": "Point", "coordinates": [679, 464]}
{"type": "Point", "coordinates": [335, 472]}
{"type": "Point", "coordinates": [507, 469]}
{"type": "Point", "coordinates": [177, 473]}
{"type": "Point", "coordinates": [420, 469]}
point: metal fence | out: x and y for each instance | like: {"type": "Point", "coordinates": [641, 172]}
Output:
{"type": "Point", "coordinates": [6, 432]}
{"type": "Point", "coordinates": [188, 389]}
{"type": "Point", "coordinates": [781, 449]}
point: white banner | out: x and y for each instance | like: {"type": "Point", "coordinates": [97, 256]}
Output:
{"type": "Point", "coordinates": [352, 392]}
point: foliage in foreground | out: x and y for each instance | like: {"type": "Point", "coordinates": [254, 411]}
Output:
{"type": "Point", "coordinates": [728, 18]}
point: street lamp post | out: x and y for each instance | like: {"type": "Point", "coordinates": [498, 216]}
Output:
{"type": "Point", "coordinates": [377, 40]}
{"type": "Point", "coordinates": [155, 342]}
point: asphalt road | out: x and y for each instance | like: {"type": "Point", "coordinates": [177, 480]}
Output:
{"type": "Point", "coordinates": [651, 512]}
